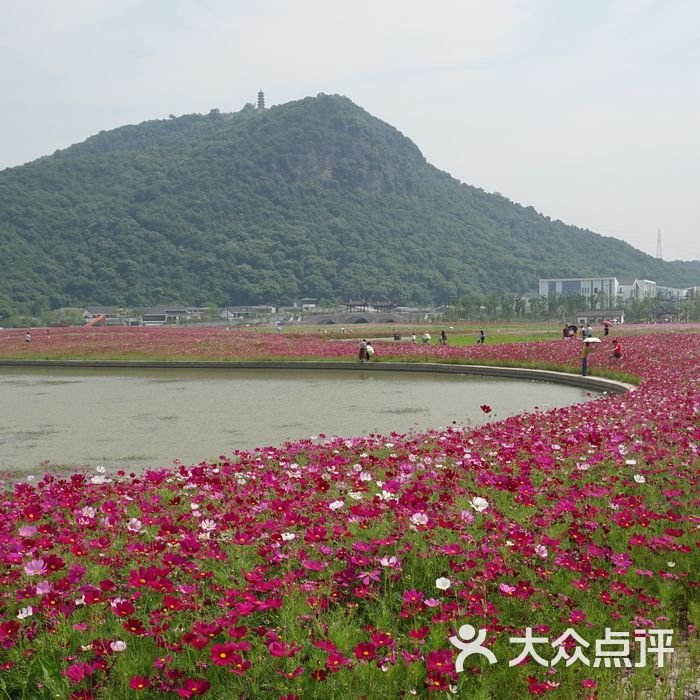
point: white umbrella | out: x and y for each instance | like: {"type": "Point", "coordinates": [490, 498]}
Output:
{"type": "Point", "coordinates": [591, 340]}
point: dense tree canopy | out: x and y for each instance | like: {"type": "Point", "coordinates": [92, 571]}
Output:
{"type": "Point", "coordinates": [311, 198]}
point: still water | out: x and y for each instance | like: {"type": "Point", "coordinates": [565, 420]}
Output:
{"type": "Point", "coordinates": [151, 417]}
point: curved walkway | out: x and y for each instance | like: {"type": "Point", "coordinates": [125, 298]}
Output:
{"type": "Point", "coordinates": [599, 384]}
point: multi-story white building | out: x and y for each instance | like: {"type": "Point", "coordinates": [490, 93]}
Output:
{"type": "Point", "coordinates": [672, 293]}
{"type": "Point", "coordinates": [623, 289]}
{"type": "Point", "coordinates": [584, 286]}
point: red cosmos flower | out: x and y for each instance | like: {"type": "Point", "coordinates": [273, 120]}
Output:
{"type": "Point", "coordinates": [211, 630]}
{"type": "Point", "coordinates": [279, 648]}
{"type": "Point", "coordinates": [146, 576]}
{"type": "Point", "coordinates": [78, 672]}
{"type": "Point", "coordinates": [122, 608]}
{"type": "Point", "coordinates": [537, 687]}
{"type": "Point", "coordinates": [240, 666]}
{"type": "Point", "coordinates": [336, 661]}
{"type": "Point", "coordinates": [485, 408]}
{"type": "Point", "coordinates": [134, 626]}
{"type": "Point", "coordinates": [365, 651]}
{"type": "Point", "coordinates": [292, 674]}
{"type": "Point", "coordinates": [8, 633]}
{"type": "Point", "coordinates": [196, 640]}
{"type": "Point", "coordinates": [420, 633]}
{"type": "Point", "coordinates": [53, 563]}
{"type": "Point", "coordinates": [413, 596]}
{"type": "Point", "coordinates": [225, 654]}
{"type": "Point", "coordinates": [440, 661]}
{"type": "Point", "coordinates": [81, 695]}
{"type": "Point", "coordinates": [383, 639]}
{"type": "Point", "coordinates": [434, 681]}
{"type": "Point", "coordinates": [192, 687]}
{"type": "Point", "coordinates": [139, 682]}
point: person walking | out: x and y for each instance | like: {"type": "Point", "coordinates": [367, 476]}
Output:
{"type": "Point", "coordinates": [27, 337]}
{"type": "Point", "coordinates": [617, 350]}
{"type": "Point", "coordinates": [443, 338]}
{"type": "Point", "coordinates": [426, 338]}
{"type": "Point", "coordinates": [481, 338]}
{"type": "Point", "coordinates": [370, 351]}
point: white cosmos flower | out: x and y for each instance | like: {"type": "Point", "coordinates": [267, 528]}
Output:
{"type": "Point", "coordinates": [479, 504]}
{"type": "Point", "coordinates": [419, 519]}
{"type": "Point", "coordinates": [118, 645]}
{"type": "Point", "coordinates": [207, 525]}
{"type": "Point", "coordinates": [336, 505]}
{"type": "Point", "coordinates": [288, 536]}
{"type": "Point", "coordinates": [443, 583]}
{"type": "Point", "coordinates": [541, 551]}
{"type": "Point", "coordinates": [639, 479]}
{"type": "Point", "coordinates": [134, 525]}
{"type": "Point", "coordinates": [25, 612]}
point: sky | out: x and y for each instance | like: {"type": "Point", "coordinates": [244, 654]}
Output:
{"type": "Point", "coordinates": [587, 110]}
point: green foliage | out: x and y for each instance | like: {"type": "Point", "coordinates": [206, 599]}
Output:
{"type": "Point", "coordinates": [311, 198]}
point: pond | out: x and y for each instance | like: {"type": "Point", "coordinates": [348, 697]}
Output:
{"type": "Point", "coordinates": [131, 418]}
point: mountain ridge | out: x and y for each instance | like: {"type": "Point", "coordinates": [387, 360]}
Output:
{"type": "Point", "coordinates": [310, 198]}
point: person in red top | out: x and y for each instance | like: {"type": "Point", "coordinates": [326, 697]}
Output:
{"type": "Point", "coordinates": [617, 350]}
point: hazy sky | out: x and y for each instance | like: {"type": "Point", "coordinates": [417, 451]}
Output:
{"type": "Point", "coordinates": [588, 110]}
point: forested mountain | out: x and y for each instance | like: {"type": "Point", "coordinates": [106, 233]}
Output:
{"type": "Point", "coordinates": [311, 198]}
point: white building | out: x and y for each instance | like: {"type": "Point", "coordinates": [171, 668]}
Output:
{"type": "Point", "coordinates": [584, 286]}
{"type": "Point", "coordinates": [623, 289]}
{"type": "Point", "coordinates": [672, 293]}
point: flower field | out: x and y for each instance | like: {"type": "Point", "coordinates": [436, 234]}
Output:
{"type": "Point", "coordinates": [342, 568]}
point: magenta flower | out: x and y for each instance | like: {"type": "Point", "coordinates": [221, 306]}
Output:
{"type": "Point", "coordinates": [139, 682]}
{"type": "Point", "coordinates": [79, 672]}
{"type": "Point", "coordinates": [192, 687]}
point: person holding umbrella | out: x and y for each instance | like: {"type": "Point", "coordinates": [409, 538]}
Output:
{"type": "Point", "coordinates": [587, 343]}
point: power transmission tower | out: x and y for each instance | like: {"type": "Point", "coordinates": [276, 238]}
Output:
{"type": "Point", "coordinates": [658, 246]}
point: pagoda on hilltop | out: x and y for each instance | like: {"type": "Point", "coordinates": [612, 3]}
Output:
{"type": "Point", "coordinates": [261, 100]}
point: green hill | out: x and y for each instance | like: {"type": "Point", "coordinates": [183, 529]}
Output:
{"type": "Point", "coordinates": [311, 198]}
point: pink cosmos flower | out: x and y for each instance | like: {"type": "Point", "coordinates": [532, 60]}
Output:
{"type": "Point", "coordinates": [35, 567]}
